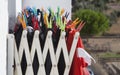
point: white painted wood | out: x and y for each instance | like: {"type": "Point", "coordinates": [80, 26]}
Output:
{"type": "Point", "coordinates": [18, 70]}
{"type": "Point", "coordinates": [36, 47]}
{"type": "Point", "coordinates": [49, 47]}
{"type": "Point", "coordinates": [63, 47]}
{"type": "Point", "coordinates": [73, 47]}
{"type": "Point", "coordinates": [24, 47]}
{"type": "Point", "coordinates": [10, 54]}
{"type": "Point", "coordinates": [3, 34]}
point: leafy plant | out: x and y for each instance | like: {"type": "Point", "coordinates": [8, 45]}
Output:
{"type": "Point", "coordinates": [96, 22]}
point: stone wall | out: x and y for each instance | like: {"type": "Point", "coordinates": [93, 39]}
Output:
{"type": "Point", "coordinates": [102, 44]}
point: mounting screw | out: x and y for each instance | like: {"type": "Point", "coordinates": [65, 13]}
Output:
{"type": "Point", "coordinates": [68, 66]}
{"type": "Point", "coordinates": [11, 36]}
{"type": "Point", "coordinates": [41, 65]}
{"type": "Point", "coordinates": [54, 65]}
{"type": "Point", "coordinates": [36, 36]}
{"type": "Point", "coordinates": [62, 37]}
{"type": "Point", "coordinates": [18, 64]}
{"type": "Point", "coordinates": [49, 36]}
{"type": "Point", "coordinates": [24, 36]}
{"type": "Point", "coordinates": [29, 64]}
{"type": "Point", "coordinates": [76, 37]}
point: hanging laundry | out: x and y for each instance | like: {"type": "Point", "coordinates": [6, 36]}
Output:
{"type": "Point", "coordinates": [79, 64]}
{"type": "Point", "coordinates": [32, 19]}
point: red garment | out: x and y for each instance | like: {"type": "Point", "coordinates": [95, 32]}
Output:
{"type": "Point", "coordinates": [78, 65]}
{"type": "Point", "coordinates": [83, 63]}
{"type": "Point", "coordinates": [85, 71]}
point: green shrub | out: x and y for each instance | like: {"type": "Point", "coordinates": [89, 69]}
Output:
{"type": "Point", "coordinates": [96, 22]}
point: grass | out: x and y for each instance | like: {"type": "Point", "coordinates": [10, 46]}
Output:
{"type": "Point", "coordinates": [110, 55]}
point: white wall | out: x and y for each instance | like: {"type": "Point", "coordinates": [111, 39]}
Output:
{"type": "Point", "coordinates": [14, 6]}
{"type": "Point", "coordinates": [66, 4]}
{"type": "Point", "coordinates": [3, 33]}
{"type": "Point", "coordinates": [11, 13]}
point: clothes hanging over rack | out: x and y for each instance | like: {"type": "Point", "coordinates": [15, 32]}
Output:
{"type": "Point", "coordinates": [32, 19]}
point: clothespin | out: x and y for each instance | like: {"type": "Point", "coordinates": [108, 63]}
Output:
{"type": "Point", "coordinates": [80, 26]}
{"type": "Point", "coordinates": [58, 11]}
{"type": "Point", "coordinates": [31, 12]}
{"type": "Point", "coordinates": [49, 24]}
{"type": "Point", "coordinates": [38, 12]}
{"type": "Point", "coordinates": [58, 19]}
{"type": "Point", "coordinates": [35, 11]}
{"type": "Point", "coordinates": [66, 15]}
{"type": "Point", "coordinates": [51, 12]}
{"type": "Point", "coordinates": [42, 9]}
{"type": "Point", "coordinates": [74, 23]}
{"type": "Point", "coordinates": [28, 9]}
{"type": "Point", "coordinates": [62, 26]}
{"type": "Point", "coordinates": [41, 20]}
{"type": "Point", "coordinates": [46, 19]}
{"type": "Point", "coordinates": [20, 18]}
{"type": "Point", "coordinates": [61, 23]}
{"type": "Point", "coordinates": [38, 15]}
{"type": "Point", "coordinates": [26, 13]}
{"type": "Point", "coordinates": [25, 19]}
{"type": "Point", "coordinates": [25, 16]}
{"type": "Point", "coordinates": [62, 11]}
{"type": "Point", "coordinates": [69, 23]}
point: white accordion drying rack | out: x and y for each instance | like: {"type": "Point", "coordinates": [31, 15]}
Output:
{"type": "Point", "coordinates": [15, 56]}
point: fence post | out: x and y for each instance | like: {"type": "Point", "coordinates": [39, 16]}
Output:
{"type": "Point", "coordinates": [10, 54]}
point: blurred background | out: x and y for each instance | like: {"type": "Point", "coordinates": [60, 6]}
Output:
{"type": "Point", "coordinates": [101, 33]}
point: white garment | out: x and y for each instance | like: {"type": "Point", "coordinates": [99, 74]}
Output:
{"type": "Point", "coordinates": [85, 55]}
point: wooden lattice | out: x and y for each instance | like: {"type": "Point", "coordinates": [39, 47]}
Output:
{"type": "Point", "coordinates": [37, 57]}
